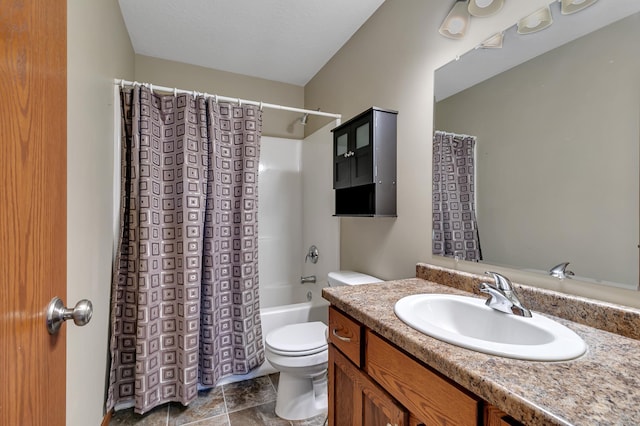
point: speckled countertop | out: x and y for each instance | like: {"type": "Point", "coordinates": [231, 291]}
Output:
{"type": "Point", "coordinates": [600, 388]}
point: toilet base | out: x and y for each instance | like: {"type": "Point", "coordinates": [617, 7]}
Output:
{"type": "Point", "coordinates": [301, 398]}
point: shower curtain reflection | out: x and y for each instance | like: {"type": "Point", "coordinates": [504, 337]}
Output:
{"type": "Point", "coordinates": [455, 230]}
{"type": "Point", "coordinates": [185, 306]}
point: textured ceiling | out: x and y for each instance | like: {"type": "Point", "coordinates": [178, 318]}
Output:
{"type": "Point", "coordinates": [282, 40]}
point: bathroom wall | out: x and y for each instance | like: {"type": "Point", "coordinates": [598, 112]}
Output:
{"type": "Point", "coordinates": [558, 174]}
{"type": "Point", "coordinates": [98, 50]}
{"type": "Point", "coordinates": [389, 63]}
{"type": "Point", "coordinates": [191, 77]}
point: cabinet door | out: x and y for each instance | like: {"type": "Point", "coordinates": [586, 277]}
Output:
{"type": "Point", "coordinates": [430, 396]}
{"type": "Point", "coordinates": [362, 149]}
{"type": "Point", "coordinates": [355, 400]}
{"type": "Point", "coordinates": [342, 159]}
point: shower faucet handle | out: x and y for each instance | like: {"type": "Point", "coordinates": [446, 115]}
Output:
{"type": "Point", "coordinates": [312, 255]}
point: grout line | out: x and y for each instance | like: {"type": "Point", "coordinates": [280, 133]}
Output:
{"type": "Point", "coordinates": [226, 409]}
{"type": "Point", "coordinates": [224, 398]}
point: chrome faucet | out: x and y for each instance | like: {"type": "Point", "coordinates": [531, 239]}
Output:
{"type": "Point", "coordinates": [502, 296]}
{"type": "Point", "coordinates": [308, 279]}
{"type": "Point", "coordinates": [560, 271]}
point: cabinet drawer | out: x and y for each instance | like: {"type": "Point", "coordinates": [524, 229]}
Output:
{"type": "Point", "coordinates": [428, 395]}
{"type": "Point", "coordinates": [345, 334]}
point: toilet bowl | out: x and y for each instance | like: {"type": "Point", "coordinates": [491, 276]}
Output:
{"type": "Point", "coordinates": [301, 354]}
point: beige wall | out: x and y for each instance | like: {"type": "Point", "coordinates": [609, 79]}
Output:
{"type": "Point", "coordinates": [191, 77]}
{"type": "Point", "coordinates": [557, 159]}
{"type": "Point", "coordinates": [389, 63]}
{"type": "Point", "coordinates": [98, 50]}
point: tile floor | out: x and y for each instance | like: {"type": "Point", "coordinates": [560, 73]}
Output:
{"type": "Point", "coordinates": [247, 403]}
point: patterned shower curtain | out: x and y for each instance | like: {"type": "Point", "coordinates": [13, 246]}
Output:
{"type": "Point", "coordinates": [185, 308]}
{"type": "Point", "coordinates": [455, 230]}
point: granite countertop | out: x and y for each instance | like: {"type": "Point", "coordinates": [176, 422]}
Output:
{"type": "Point", "coordinates": [600, 388]}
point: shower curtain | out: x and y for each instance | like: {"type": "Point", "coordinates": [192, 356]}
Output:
{"type": "Point", "coordinates": [185, 309]}
{"type": "Point", "coordinates": [455, 230]}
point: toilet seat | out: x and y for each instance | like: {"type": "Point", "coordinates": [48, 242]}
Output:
{"type": "Point", "coordinates": [302, 339]}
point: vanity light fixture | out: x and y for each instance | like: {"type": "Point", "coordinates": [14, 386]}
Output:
{"type": "Point", "coordinates": [537, 21]}
{"type": "Point", "coordinates": [482, 8]}
{"type": "Point", "coordinates": [493, 42]}
{"type": "Point", "coordinates": [456, 23]}
{"type": "Point", "coordinates": [572, 6]}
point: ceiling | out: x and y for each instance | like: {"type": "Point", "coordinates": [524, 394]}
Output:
{"type": "Point", "coordinates": [282, 40]}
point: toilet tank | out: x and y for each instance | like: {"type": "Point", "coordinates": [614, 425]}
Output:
{"type": "Point", "coordinates": [340, 278]}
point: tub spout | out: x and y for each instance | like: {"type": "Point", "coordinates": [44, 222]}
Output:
{"type": "Point", "coordinates": [308, 279]}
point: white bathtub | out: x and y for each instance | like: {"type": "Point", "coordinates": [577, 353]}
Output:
{"type": "Point", "coordinates": [277, 316]}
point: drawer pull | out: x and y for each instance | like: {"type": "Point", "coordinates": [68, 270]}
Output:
{"type": "Point", "coordinates": [344, 339]}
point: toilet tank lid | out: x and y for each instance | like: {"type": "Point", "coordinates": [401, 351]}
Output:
{"type": "Point", "coordinates": [338, 278]}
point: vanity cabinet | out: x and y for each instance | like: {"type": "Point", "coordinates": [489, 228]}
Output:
{"type": "Point", "coordinates": [373, 382]}
{"type": "Point", "coordinates": [364, 164]}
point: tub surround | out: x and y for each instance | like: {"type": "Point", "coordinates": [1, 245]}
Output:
{"type": "Point", "coordinates": [601, 387]}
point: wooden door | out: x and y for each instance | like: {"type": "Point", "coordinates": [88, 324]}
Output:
{"type": "Point", "coordinates": [33, 123]}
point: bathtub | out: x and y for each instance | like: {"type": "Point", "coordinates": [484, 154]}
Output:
{"type": "Point", "coordinates": [278, 316]}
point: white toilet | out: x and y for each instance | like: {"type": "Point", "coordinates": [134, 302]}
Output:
{"type": "Point", "coordinates": [300, 353]}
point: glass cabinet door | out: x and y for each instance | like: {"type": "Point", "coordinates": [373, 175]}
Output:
{"type": "Point", "coordinates": [342, 144]}
{"type": "Point", "coordinates": [362, 136]}
{"type": "Point", "coordinates": [342, 159]}
{"type": "Point", "coordinates": [362, 158]}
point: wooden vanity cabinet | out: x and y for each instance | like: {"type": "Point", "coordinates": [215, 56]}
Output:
{"type": "Point", "coordinates": [372, 382]}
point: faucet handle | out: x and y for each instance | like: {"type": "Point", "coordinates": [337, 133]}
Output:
{"type": "Point", "coordinates": [560, 271]}
{"type": "Point", "coordinates": [312, 255]}
{"type": "Point", "coordinates": [501, 282]}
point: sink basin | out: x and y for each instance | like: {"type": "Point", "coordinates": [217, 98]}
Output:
{"type": "Point", "coordinates": [469, 323]}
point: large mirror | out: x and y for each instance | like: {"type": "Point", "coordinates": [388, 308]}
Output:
{"type": "Point", "coordinates": [556, 116]}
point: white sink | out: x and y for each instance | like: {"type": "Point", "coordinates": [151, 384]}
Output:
{"type": "Point", "coordinates": [469, 323]}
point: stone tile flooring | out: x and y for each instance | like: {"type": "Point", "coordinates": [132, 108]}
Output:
{"type": "Point", "coordinates": [248, 403]}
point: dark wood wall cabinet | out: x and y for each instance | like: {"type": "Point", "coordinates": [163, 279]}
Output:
{"type": "Point", "coordinates": [373, 382]}
{"type": "Point", "coordinates": [364, 164]}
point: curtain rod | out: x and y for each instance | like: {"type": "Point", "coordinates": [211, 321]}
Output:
{"type": "Point", "coordinates": [122, 82]}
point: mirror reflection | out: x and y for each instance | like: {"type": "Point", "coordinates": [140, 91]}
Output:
{"type": "Point", "coordinates": [556, 146]}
